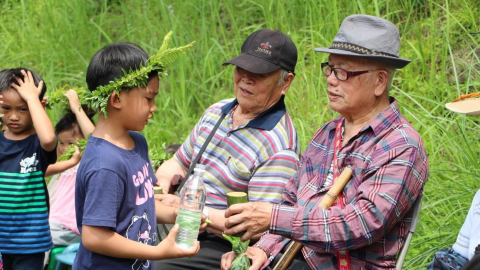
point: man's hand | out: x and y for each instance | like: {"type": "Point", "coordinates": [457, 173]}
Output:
{"type": "Point", "coordinates": [26, 88]}
{"type": "Point", "coordinates": [168, 199]}
{"type": "Point", "coordinates": [256, 255]}
{"type": "Point", "coordinates": [252, 217]}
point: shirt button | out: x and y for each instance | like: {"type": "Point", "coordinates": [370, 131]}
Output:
{"type": "Point", "coordinates": [228, 134]}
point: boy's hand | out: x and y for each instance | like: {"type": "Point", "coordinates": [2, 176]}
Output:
{"type": "Point", "coordinates": [169, 249]}
{"type": "Point", "coordinates": [168, 199]}
{"type": "Point", "coordinates": [73, 101]}
{"type": "Point", "coordinates": [26, 88]}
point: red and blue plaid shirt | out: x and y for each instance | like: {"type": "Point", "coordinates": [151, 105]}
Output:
{"type": "Point", "coordinates": [390, 168]}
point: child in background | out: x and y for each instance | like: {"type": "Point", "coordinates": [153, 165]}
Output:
{"type": "Point", "coordinates": [2, 125]}
{"type": "Point", "coordinates": [27, 147]}
{"type": "Point", "coordinates": [72, 127]}
{"type": "Point", "coordinates": [116, 211]}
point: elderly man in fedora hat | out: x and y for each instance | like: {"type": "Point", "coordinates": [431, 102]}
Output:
{"type": "Point", "coordinates": [255, 148]}
{"type": "Point", "coordinates": [465, 253]}
{"type": "Point", "coordinates": [367, 224]}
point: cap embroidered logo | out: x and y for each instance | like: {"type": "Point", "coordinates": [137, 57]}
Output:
{"type": "Point", "coordinates": [265, 48]}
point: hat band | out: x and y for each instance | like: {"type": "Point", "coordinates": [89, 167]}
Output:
{"type": "Point", "coordinates": [358, 49]}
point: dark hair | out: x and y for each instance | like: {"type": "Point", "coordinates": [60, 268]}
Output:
{"type": "Point", "coordinates": [7, 78]}
{"type": "Point", "coordinates": [109, 63]}
{"type": "Point", "coordinates": [69, 121]}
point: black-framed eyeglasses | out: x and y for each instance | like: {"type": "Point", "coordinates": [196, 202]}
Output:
{"type": "Point", "coordinates": [340, 73]}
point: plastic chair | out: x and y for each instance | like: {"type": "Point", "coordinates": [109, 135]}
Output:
{"type": "Point", "coordinates": [67, 256]}
{"type": "Point", "coordinates": [52, 262]}
{"type": "Point", "coordinates": [413, 227]}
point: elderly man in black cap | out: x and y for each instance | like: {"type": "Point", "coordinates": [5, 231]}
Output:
{"type": "Point", "coordinates": [255, 148]}
{"type": "Point", "coordinates": [367, 224]}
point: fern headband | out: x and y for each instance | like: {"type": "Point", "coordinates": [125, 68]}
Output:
{"type": "Point", "coordinates": [98, 99]}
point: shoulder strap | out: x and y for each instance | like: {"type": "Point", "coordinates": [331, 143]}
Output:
{"type": "Point", "coordinates": [200, 153]}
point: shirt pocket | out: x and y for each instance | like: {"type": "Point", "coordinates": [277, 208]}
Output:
{"type": "Point", "coordinates": [239, 169]}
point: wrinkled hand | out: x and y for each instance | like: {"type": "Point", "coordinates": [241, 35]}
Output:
{"type": "Point", "coordinates": [166, 183]}
{"type": "Point", "coordinates": [26, 88]}
{"type": "Point", "coordinates": [73, 101]}
{"type": "Point", "coordinates": [252, 217]}
{"type": "Point", "coordinates": [169, 249]}
{"type": "Point", "coordinates": [203, 224]}
{"type": "Point", "coordinates": [257, 256]}
{"type": "Point", "coordinates": [168, 199]}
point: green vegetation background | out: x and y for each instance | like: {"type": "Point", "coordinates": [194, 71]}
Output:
{"type": "Point", "coordinates": [57, 38]}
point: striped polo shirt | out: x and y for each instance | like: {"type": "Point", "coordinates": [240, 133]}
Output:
{"type": "Point", "coordinates": [24, 227]}
{"type": "Point", "coordinates": [258, 157]}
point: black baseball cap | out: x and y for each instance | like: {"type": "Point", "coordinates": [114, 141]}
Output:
{"type": "Point", "coordinates": [265, 51]}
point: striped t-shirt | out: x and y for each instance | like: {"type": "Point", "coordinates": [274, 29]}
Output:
{"type": "Point", "coordinates": [24, 225]}
{"type": "Point", "coordinates": [257, 157]}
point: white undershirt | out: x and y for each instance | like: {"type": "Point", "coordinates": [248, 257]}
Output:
{"type": "Point", "coordinates": [469, 237]}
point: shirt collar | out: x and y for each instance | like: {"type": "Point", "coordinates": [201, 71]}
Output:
{"type": "Point", "coordinates": [266, 120]}
{"type": "Point", "coordinates": [386, 118]}
{"type": "Point", "coordinates": [378, 123]}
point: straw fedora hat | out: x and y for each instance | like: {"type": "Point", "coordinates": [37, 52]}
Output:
{"type": "Point", "coordinates": [470, 106]}
{"type": "Point", "coordinates": [466, 104]}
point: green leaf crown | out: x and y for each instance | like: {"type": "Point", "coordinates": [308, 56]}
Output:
{"type": "Point", "coordinates": [98, 99]}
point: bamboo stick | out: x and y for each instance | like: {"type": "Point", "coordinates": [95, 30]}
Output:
{"type": "Point", "coordinates": [326, 202]}
{"type": "Point", "coordinates": [235, 197]}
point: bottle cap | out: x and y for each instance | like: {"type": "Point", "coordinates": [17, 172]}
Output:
{"type": "Point", "coordinates": [199, 167]}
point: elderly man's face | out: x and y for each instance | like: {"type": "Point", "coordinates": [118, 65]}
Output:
{"type": "Point", "coordinates": [355, 96]}
{"type": "Point", "coordinates": [257, 92]}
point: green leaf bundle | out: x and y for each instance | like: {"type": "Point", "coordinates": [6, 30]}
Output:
{"type": "Point", "coordinates": [241, 262]}
{"type": "Point", "coordinates": [81, 144]}
{"type": "Point", "coordinates": [58, 98]}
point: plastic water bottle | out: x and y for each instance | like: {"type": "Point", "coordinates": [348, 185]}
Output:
{"type": "Point", "coordinates": [190, 210]}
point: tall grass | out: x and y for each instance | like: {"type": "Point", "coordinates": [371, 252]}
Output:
{"type": "Point", "coordinates": [57, 38]}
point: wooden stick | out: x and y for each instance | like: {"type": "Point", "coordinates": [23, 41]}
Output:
{"type": "Point", "coordinates": [326, 202]}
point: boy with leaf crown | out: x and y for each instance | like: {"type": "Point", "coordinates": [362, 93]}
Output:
{"type": "Point", "coordinates": [114, 198]}
{"type": "Point", "coordinates": [27, 147]}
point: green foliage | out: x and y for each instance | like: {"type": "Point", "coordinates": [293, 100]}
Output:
{"type": "Point", "coordinates": [158, 155]}
{"type": "Point", "coordinates": [58, 38]}
{"type": "Point", "coordinates": [57, 98]}
{"type": "Point", "coordinates": [98, 99]}
{"type": "Point", "coordinates": [81, 144]}
{"type": "Point", "coordinates": [241, 262]}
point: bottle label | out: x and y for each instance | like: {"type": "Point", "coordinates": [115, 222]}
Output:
{"type": "Point", "coordinates": [189, 222]}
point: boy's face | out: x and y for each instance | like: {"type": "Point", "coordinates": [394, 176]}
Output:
{"type": "Point", "coordinates": [16, 117]}
{"type": "Point", "coordinates": [140, 104]}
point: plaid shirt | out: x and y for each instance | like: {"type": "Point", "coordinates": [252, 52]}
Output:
{"type": "Point", "coordinates": [390, 168]}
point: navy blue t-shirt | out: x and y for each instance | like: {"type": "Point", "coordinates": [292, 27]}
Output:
{"type": "Point", "coordinates": [24, 227]}
{"type": "Point", "coordinates": [114, 189]}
